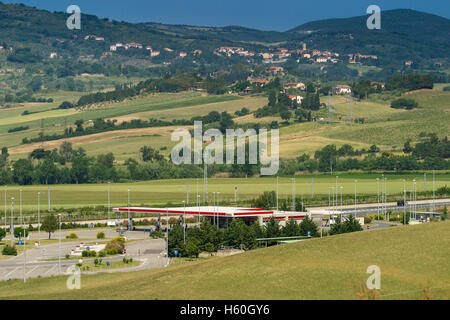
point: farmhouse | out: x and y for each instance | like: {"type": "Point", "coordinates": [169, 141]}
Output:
{"type": "Point", "coordinates": [296, 98]}
{"type": "Point", "coordinates": [294, 85]}
{"type": "Point", "coordinates": [342, 89]}
{"type": "Point", "coordinates": [133, 45]}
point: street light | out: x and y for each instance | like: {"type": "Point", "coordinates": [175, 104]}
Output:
{"type": "Point", "coordinates": [356, 181]}
{"type": "Point", "coordinates": [21, 217]}
{"type": "Point", "coordinates": [184, 222]}
{"type": "Point", "coordinates": [217, 210]}
{"type": "Point", "coordinates": [336, 203]}
{"type": "Point", "coordinates": [277, 193]}
{"type": "Point", "coordinates": [59, 245]}
{"type": "Point", "coordinates": [12, 221]}
{"type": "Point", "coordinates": [39, 218]}
{"type": "Point", "coordinates": [214, 208]}
{"type": "Point", "coordinates": [198, 205]}
{"type": "Point", "coordinates": [404, 201]}
{"type": "Point", "coordinates": [378, 198]}
{"type": "Point", "coordinates": [167, 235]}
{"type": "Point", "coordinates": [6, 210]}
{"type": "Point", "coordinates": [109, 201]}
{"type": "Point", "coordinates": [129, 226]}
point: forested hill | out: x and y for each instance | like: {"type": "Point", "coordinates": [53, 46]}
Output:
{"type": "Point", "coordinates": [411, 23]}
{"type": "Point", "coordinates": [405, 34]}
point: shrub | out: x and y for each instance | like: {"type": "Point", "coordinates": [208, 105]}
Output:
{"type": "Point", "coordinates": [117, 245]}
{"type": "Point", "coordinates": [156, 234]}
{"type": "Point", "coordinates": [112, 251]}
{"type": "Point", "coordinates": [9, 251]}
{"type": "Point", "coordinates": [119, 239]}
{"type": "Point", "coordinates": [67, 256]}
{"type": "Point", "coordinates": [446, 88]}
{"type": "Point", "coordinates": [72, 236]}
{"type": "Point", "coordinates": [125, 260]}
{"type": "Point", "coordinates": [85, 253]}
{"type": "Point", "coordinates": [92, 253]}
{"type": "Point", "coordinates": [101, 235]}
{"type": "Point", "coordinates": [404, 103]}
{"type": "Point", "coordinates": [102, 254]}
{"type": "Point", "coordinates": [367, 219]}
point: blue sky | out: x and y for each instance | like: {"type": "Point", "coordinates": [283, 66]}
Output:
{"type": "Point", "coordinates": [277, 15]}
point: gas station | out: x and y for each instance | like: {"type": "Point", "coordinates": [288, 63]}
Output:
{"type": "Point", "coordinates": [220, 216]}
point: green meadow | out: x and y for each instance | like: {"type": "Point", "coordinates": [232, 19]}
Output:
{"type": "Point", "coordinates": [162, 192]}
{"type": "Point", "coordinates": [413, 263]}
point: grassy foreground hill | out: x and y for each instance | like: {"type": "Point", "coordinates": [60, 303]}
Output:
{"type": "Point", "coordinates": [411, 259]}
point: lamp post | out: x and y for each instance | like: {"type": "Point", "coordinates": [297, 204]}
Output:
{"type": "Point", "coordinates": [356, 181]}
{"type": "Point", "coordinates": [293, 193]}
{"type": "Point", "coordinates": [184, 222]}
{"type": "Point", "coordinates": [341, 201]}
{"type": "Point", "coordinates": [214, 208]}
{"type": "Point", "coordinates": [39, 218]}
{"type": "Point", "coordinates": [129, 209]}
{"type": "Point", "coordinates": [167, 235]}
{"type": "Point", "coordinates": [6, 210]}
{"type": "Point", "coordinates": [198, 205]}
{"type": "Point", "coordinates": [277, 193]}
{"type": "Point", "coordinates": [59, 245]}
{"type": "Point", "coordinates": [21, 217]}
{"type": "Point", "coordinates": [404, 201]}
{"type": "Point", "coordinates": [109, 201]}
{"type": "Point", "coordinates": [24, 256]}
{"type": "Point", "coordinates": [12, 221]}
{"type": "Point", "coordinates": [382, 193]}
{"type": "Point", "coordinates": [336, 203]}
{"type": "Point", "coordinates": [217, 210]}
{"type": "Point", "coordinates": [415, 200]}
{"type": "Point", "coordinates": [378, 198]}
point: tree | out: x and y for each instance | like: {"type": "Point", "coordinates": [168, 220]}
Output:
{"type": "Point", "coordinates": [79, 124]}
{"type": "Point", "coordinates": [19, 232]}
{"type": "Point", "coordinates": [66, 151]}
{"type": "Point", "coordinates": [286, 115]}
{"type": "Point", "coordinates": [80, 169]}
{"type": "Point", "coordinates": [306, 225]}
{"type": "Point", "coordinates": [291, 229]}
{"type": "Point", "coordinates": [176, 240]}
{"type": "Point", "coordinates": [272, 98]}
{"type": "Point", "coordinates": [444, 215]}
{"type": "Point", "coordinates": [272, 230]}
{"type": "Point", "coordinates": [407, 147]}
{"type": "Point", "coordinates": [150, 154]}
{"type": "Point", "coordinates": [267, 200]}
{"type": "Point", "coordinates": [2, 233]}
{"type": "Point", "coordinates": [49, 224]}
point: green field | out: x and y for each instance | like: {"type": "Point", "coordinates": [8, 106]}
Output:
{"type": "Point", "coordinates": [386, 127]}
{"type": "Point", "coordinates": [411, 259]}
{"type": "Point", "coordinates": [161, 192]}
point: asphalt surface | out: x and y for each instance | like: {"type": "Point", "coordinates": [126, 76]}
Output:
{"type": "Point", "coordinates": [140, 248]}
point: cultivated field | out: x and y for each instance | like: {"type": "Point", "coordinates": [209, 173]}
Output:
{"type": "Point", "coordinates": [386, 127]}
{"type": "Point", "coordinates": [162, 192]}
{"type": "Point", "coordinates": [413, 261]}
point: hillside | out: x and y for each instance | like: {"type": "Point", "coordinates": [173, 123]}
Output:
{"type": "Point", "coordinates": [420, 25]}
{"type": "Point", "coordinates": [423, 34]}
{"type": "Point", "coordinates": [20, 26]}
{"type": "Point", "coordinates": [411, 259]}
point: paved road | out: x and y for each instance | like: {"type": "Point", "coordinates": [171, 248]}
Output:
{"type": "Point", "coordinates": [375, 207]}
{"type": "Point", "coordinates": [149, 251]}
